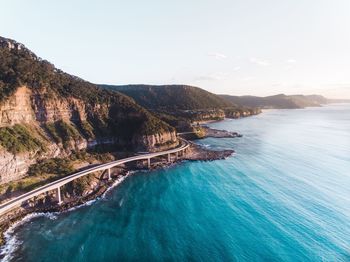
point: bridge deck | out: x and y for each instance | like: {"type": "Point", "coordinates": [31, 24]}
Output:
{"type": "Point", "coordinates": [5, 207]}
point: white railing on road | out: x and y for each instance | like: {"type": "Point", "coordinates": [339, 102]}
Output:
{"type": "Point", "coordinates": [7, 206]}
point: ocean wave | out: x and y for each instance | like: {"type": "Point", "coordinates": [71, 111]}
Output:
{"type": "Point", "coordinates": [12, 242]}
{"type": "Point", "coordinates": [117, 182]}
{"type": "Point", "coordinates": [7, 251]}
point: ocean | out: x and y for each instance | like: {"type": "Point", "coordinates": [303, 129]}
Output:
{"type": "Point", "coordinates": [284, 196]}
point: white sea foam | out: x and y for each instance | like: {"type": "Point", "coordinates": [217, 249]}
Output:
{"type": "Point", "coordinates": [116, 183]}
{"type": "Point", "coordinates": [12, 242]}
{"type": "Point", "coordinates": [87, 203]}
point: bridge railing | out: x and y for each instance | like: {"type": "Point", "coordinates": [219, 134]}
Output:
{"type": "Point", "coordinates": [7, 206]}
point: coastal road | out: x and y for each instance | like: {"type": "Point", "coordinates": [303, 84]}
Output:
{"type": "Point", "coordinates": [7, 206]}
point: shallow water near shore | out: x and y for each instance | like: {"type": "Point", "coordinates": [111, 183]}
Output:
{"type": "Point", "coordinates": [284, 196]}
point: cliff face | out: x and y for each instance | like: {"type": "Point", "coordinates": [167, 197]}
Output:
{"type": "Point", "coordinates": [238, 113]}
{"type": "Point", "coordinates": [17, 109]}
{"type": "Point", "coordinates": [15, 166]}
{"type": "Point", "coordinates": [157, 142]}
{"type": "Point", "coordinates": [46, 113]}
{"type": "Point", "coordinates": [203, 115]}
{"type": "Point", "coordinates": [25, 108]}
{"type": "Point", "coordinates": [219, 114]}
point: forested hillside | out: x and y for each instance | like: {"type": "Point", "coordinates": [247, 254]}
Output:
{"type": "Point", "coordinates": [278, 101]}
{"type": "Point", "coordinates": [46, 112]}
{"type": "Point", "coordinates": [180, 104]}
{"type": "Point", "coordinates": [172, 97]}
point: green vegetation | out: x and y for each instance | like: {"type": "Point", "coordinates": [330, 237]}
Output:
{"type": "Point", "coordinates": [19, 66]}
{"type": "Point", "coordinates": [177, 105]}
{"type": "Point", "coordinates": [109, 113]}
{"type": "Point", "coordinates": [155, 126]}
{"type": "Point", "coordinates": [80, 185]}
{"type": "Point", "coordinates": [181, 105]}
{"type": "Point", "coordinates": [26, 184]}
{"type": "Point", "coordinates": [181, 123]}
{"type": "Point", "coordinates": [41, 173]}
{"type": "Point", "coordinates": [86, 129]}
{"type": "Point", "coordinates": [62, 132]}
{"type": "Point", "coordinates": [101, 154]}
{"type": "Point", "coordinates": [171, 97]}
{"type": "Point", "coordinates": [49, 170]}
{"type": "Point", "coordinates": [57, 166]}
{"type": "Point", "coordinates": [200, 132]}
{"type": "Point", "coordinates": [19, 139]}
{"type": "Point", "coordinates": [277, 101]}
{"type": "Point", "coordinates": [241, 111]}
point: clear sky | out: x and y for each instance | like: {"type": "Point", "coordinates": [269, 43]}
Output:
{"type": "Point", "coordinates": [224, 46]}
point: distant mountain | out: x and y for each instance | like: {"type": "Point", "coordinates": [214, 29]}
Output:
{"type": "Point", "coordinates": [179, 104]}
{"type": "Point", "coordinates": [171, 97]}
{"type": "Point", "coordinates": [339, 100]}
{"type": "Point", "coordinates": [278, 101]}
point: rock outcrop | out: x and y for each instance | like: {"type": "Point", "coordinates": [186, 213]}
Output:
{"type": "Point", "coordinates": [17, 109]}
{"type": "Point", "coordinates": [25, 107]}
{"type": "Point", "coordinates": [157, 142]}
{"type": "Point", "coordinates": [241, 112]}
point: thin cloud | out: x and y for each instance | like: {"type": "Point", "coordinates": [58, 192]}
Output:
{"type": "Point", "coordinates": [206, 78]}
{"type": "Point", "coordinates": [291, 61]}
{"type": "Point", "coordinates": [259, 62]}
{"type": "Point", "coordinates": [237, 68]}
{"type": "Point", "coordinates": [217, 55]}
{"type": "Point", "coordinates": [212, 77]}
{"type": "Point", "coordinates": [247, 78]}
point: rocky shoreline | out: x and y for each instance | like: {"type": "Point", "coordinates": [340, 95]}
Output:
{"type": "Point", "coordinates": [216, 133]}
{"type": "Point", "coordinates": [101, 185]}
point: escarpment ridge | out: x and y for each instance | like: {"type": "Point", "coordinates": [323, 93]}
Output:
{"type": "Point", "coordinates": [45, 112]}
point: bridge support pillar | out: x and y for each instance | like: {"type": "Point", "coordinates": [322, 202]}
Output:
{"type": "Point", "coordinates": [176, 155]}
{"type": "Point", "coordinates": [169, 157]}
{"type": "Point", "coordinates": [58, 192]}
{"type": "Point", "coordinates": [148, 163]}
{"type": "Point", "coordinates": [109, 174]}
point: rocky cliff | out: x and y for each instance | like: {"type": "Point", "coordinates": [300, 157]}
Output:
{"type": "Point", "coordinates": [241, 112]}
{"type": "Point", "coordinates": [46, 113]}
{"type": "Point", "coordinates": [218, 114]}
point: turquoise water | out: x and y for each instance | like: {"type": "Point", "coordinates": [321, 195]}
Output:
{"type": "Point", "coordinates": [285, 196]}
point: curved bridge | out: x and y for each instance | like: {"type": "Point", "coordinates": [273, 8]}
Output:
{"type": "Point", "coordinates": [7, 206]}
